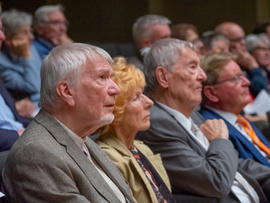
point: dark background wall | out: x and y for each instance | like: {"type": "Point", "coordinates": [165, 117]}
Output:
{"type": "Point", "coordinates": [106, 21]}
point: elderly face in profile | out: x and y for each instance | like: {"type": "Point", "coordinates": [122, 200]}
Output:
{"type": "Point", "coordinates": [140, 167]}
{"type": "Point", "coordinates": [132, 106]}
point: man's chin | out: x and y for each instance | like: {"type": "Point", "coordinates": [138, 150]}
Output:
{"type": "Point", "coordinates": [107, 119]}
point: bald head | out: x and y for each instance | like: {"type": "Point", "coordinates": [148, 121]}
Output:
{"type": "Point", "coordinates": [234, 33]}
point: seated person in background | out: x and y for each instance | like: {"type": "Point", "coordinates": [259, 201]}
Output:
{"type": "Point", "coordinates": [50, 27]}
{"type": "Point", "coordinates": [145, 31]}
{"type": "Point", "coordinates": [259, 47]}
{"type": "Point", "coordinates": [19, 60]}
{"type": "Point", "coordinates": [214, 43]}
{"type": "Point", "coordinates": [188, 32]}
{"type": "Point", "coordinates": [54, 160]}
{"type": "Point", "coordinates": [11, 123]}
{"type": "Point", "coordinates": [226, 93]}
{"type": "Point", "coordinates": [142, 169]}
{"type": "Point", "coordinates": [198, 160]}
{"type": "Point", "coordinates": [257, 76]}
{"type": "Point", "coordinates": [262, 27]}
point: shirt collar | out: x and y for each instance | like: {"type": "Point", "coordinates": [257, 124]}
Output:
{"type": "Point", "coordinates": [181, 118]}
{"type": "Point", "coordinates": [79, 141]}
{"type": "Point", "coordinates": [230, 117]}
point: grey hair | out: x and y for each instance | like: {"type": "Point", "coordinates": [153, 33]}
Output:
{"type": "Point", "coordinates": [165, 53]}
{"type": "Point", "coordinates": [65, 63]}
{"type": "Point", "coordinates": [142, 26]}
{"type": "Point", "coordinates": [12, 20]}
{"type": "Point", "coordinates": [252, 41]}
{"type": "Point", "coordinates": [41, 14]}
{"type": "Point", "coordinates": [208, 38]}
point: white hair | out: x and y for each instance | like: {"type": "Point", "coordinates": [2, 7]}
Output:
{"type": "Point", "coordinates": [41, 14]}
{"type": "Point", "coordinates": [253, 40]}
{"type": "Point", "coordinates": [65, 62]}
{"type": "Point", "coordinates": [165, 53]}
{"type": "Point", "coordinates": [12, 20]}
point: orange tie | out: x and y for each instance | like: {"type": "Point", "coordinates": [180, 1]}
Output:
{"type": "Point", "coordinates": [247, 127]}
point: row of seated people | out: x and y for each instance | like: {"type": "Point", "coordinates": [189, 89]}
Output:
{"type": "Point", "coordinates": [55, 160]}
{"type": "Point", "coordinates": [119, 136]}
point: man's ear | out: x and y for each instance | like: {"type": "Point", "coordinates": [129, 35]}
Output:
{"type": "Point", "coordinates": [162, 76]}
{"type": "Point", "coordinates": [210, 93]}
{"type": "Point", "coordinates": [66, 93]}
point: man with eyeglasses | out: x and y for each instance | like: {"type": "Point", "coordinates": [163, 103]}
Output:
{"type": "Point", "coordinates": [225, 94]}
{"type": "Point", "coordinates": [256, 75]}
{"type": "Point", "coordinates": [50, 26]}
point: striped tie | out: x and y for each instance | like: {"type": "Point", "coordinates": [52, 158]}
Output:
{"type": "Point", "coordinates": [247, 127]}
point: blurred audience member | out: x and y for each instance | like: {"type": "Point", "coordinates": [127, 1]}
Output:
{"type": "Point", "coordinates": [12, 124]}
{"type": "Point", "coordinates": [214, 43]}
{"type": "Point", "coordinates": [188, 32]}
{"type": "Point", "coordinates": [146, 30]}
{"type": "Point", "coordinates": [262, 27]}
{"type": "Point", "coordinates": [19, 61]}
{"type": "Point", "coordinates": [257, 76]}
{"type": "Point", "coordinates": [55, 160]}
{"type": "Point", "coordinates": [50, 26]}
{"type": "Point", "coordinates": [226, 93]}
{"type": "Point", "coordinates": [142, 169]}
{"type": "Point", "coordinates": [259, 47]}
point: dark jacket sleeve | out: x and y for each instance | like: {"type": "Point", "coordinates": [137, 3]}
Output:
{"type": "Point", "coordinates": [7, 138]}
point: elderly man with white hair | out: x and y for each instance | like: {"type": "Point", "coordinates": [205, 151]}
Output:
{"type": "Point", "coordinates": [50, 26]}
{"type": "Point", "coordinates": [54, 160]}
{"type": "Point", "coordinates": [197, 154]}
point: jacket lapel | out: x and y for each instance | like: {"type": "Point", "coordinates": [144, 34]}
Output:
{"type": "Point", "coordinates": [123, 150]}
{"type": "Point", "coordinates": [109, 168]}
{"type": "Point", "coordinates": [76, 154]}
{"type": "Point", "coordinates": [193, 116]}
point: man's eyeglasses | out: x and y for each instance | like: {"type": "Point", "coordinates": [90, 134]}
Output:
{"type": "Point", "coordinates": [234, 80]}
{"type": "Point", "coordinates": [238, 39]}
{"type": "Point", "coordinates": [263, 48]}
{"type": "Point", "coordinates": [58, 23]}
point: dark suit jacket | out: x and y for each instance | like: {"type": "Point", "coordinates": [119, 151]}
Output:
{"type": "Point", "coordinates": [192, 169]}
{"type": "Point", "coordinates": [8, 137]}
{"type": "Point", "coordinates": [245, 148]}
{"type": "Point", "coordinates": [46, 165]}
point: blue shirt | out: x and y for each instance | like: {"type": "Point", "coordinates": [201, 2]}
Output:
{"type": "Point", "coordinates": [7, 118]}
{"type": "Point", "coordinates": [43, 46]}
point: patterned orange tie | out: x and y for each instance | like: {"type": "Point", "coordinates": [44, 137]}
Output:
{"type": "Point", "coordinates": [247, 127]}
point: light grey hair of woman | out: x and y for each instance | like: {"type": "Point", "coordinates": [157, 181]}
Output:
{"type": "Point", "coordinates": [142, 26]}
{"type": "Point", "coordinates": [13, 20]}
{"type": "Point", "coordinates": [65, 62]}
{"type": "Point", "coordinates": [41, 14]}
{"type": "Point", "coordinates": [165, 53]}
{"type": "Point", "coordinates": [253, 40]}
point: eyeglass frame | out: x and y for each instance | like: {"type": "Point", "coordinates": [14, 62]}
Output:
{"type": "Point", "coordinates": [57, 22]}
{"type": "Point", "coordinates": [235, 79]}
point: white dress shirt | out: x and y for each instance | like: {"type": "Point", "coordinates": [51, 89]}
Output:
{"type": "Point", "coordinates": [80, 142]}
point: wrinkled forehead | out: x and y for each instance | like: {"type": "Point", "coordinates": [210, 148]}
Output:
{"type": "Point", "coordinates": [97, 63]}
{"type": "Point", "coordinates": [56, 15]}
